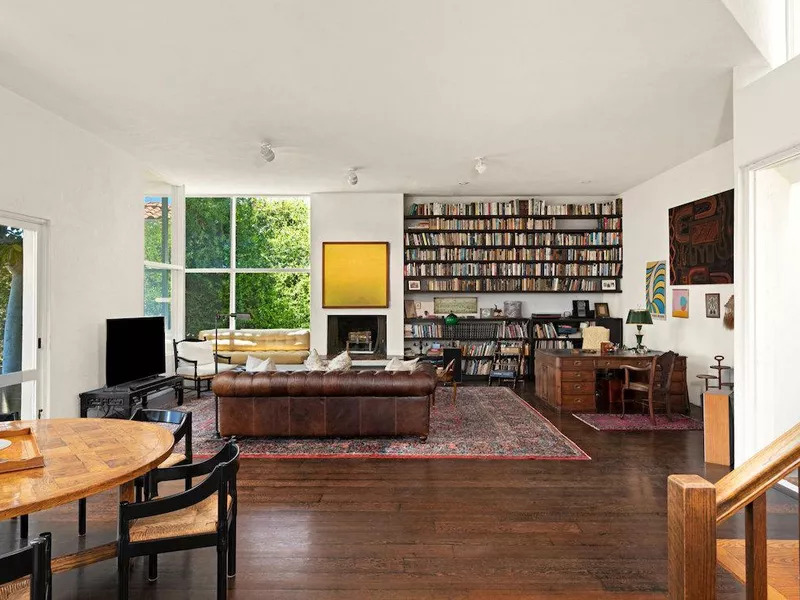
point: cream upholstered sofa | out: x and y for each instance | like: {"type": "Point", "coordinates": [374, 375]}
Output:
{"type": "Point", "coordinates": [284, 346]}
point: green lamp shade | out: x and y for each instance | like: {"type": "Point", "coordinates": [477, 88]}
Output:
{"type": "Point", "coordinates": [639, 316]}
{"type": "Point", "coordinates": [450, 319]}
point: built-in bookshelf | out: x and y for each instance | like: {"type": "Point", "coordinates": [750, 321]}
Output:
{"type": "Point", "coordinates": [520, 245]}
{"type": "Point", "coordinates": [480, 341]}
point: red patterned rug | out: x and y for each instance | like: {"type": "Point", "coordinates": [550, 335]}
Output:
{"type": "Point", "coordinates": [637, 422]}
{"type": "Point", "coordinates": [493, 423]}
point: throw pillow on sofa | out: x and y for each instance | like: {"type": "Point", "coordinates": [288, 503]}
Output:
{"type": "Point", "coordinates": [397, 364]}
{"type": "Point", "coordinates": [254, 365]}
{"type": "Point", "coordinates": [340, 363]}
{"type": "Point", "coordinates": [314, 362]}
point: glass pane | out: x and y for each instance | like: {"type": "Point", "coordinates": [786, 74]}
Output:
{"type": "Point", "coordinates": [157, 229]}
{"type": "Point", "coordinates": [272, 233]}
{"type": "Point", "coordinates": [11, 277]}
{"type": "Point", "coordinates": [158, 295]}
{"type": "Point", "coordinates": [11, 398]}
{"type": "Point", "coordinates": [208, 233]}
{"type": "Point", "coordinates": [206, 295]}
{"type": "Point", "coordinates": [276, 300]}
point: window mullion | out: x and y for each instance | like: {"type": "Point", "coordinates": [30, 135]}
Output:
{"type": "Point", "coordinates": [232, 283]}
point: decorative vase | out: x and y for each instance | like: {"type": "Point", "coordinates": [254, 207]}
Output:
{"type": "Point", "coordinates": [451, 319]}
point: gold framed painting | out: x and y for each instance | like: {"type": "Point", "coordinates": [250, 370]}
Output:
{"type": "Point", "coordinates": [355, 274]}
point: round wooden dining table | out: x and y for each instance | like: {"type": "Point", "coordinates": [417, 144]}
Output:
{"type": "Point", "coordinates": [82, 457]}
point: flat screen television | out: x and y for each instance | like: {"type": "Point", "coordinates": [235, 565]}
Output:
{"type": "Point", "coordinates": [134, 349]}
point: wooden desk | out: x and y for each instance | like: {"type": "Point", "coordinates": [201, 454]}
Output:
{"type": "Point", "coordinates": [83, 457]}
{"type": "Point", "coordinates": [565, 379]}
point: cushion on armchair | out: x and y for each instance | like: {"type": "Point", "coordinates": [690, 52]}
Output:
{"type": "Point", "coordinates": [202, 352]}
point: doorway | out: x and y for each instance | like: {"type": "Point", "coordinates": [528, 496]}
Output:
{"type": "Point", "coordinates": [22, 245]}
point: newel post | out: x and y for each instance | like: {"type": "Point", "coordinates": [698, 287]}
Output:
{"type": "Point", "coordinates": [692, 533]}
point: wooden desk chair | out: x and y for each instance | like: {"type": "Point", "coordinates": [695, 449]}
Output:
{"type": "Point", "coordinates": [25, 573]}
{"type": "Point", "coordinates": [657, 391]}
{"type": "Point", "coordinates": [446, 376]}
{"type": "Point", "coordinates": [23, 520]}
{"type": "Point", "coordinates": [201, 517]}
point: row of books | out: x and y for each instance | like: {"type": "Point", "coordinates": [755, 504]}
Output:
{"type": "Point", "coordinates": [467, 330]}
{"type": "Point", "coordinates": [554, 284]}
{"type": "Point", "coordinates": [607, 223]}
{"type": "Point", "coordinates": [550, 330]}
{"type": "Point", "coordinates": [476, 367]}
{"type": "Point", "coordinates": [513, 254]}
{"type": "Point", "coordinates": [518, 207]}
{"type": "Point", "coordinates": [514, 330]}
{"type": "Point", "coordinates": [555, 344]}
{"type": "Point", "coordinates": [479, 349]}
{"type": "Point", "coordinates": [513, 270]}
{"type": "Point", "coordinates": [514, 239]}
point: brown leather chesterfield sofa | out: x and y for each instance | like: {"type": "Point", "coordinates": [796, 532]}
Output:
{"type": "Point", "coordinates": [318, 404]}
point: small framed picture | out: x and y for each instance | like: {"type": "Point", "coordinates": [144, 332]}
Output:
{"type": "Point", "coordinates": [713, 310]}
{"type": "Point", "coordinates": [601, 310]}
{"type": "Point", "coordinates": [608, 285]}
{"type": "Point", "coordinates": [486, 313]}
{"type": "Point", "coordinates": [414, 285]}
{"type": "Point", "coordinates": [580, 308]}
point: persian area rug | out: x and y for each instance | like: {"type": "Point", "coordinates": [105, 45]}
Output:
{"type": "Point", "coordinates": [637, 422]}
{"type": "Point", "coordinates": [491, 423]}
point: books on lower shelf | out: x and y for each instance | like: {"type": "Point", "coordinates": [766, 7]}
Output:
{"type": "Point", "coordinates": [516, 207]}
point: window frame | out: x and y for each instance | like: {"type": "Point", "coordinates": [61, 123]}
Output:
{"type": "Point", "coordinates": [233, 270]}
{"type": "Point", "coordinates": [177, 259]}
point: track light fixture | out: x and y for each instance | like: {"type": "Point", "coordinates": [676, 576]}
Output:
{"type": "Point", "coordinates": [480, 165]}
{"type": "Point", "coordinates": [267, 153]}
{"type": "Point", "coordinates": [352, 178]}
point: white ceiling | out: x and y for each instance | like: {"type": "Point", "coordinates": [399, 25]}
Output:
{"type": "Point", "coordinates": [553, 93]}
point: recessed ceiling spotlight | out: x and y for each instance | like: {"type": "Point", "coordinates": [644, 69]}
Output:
{"type": "Point", "coordinates": [463, 183]}
{"type": "Point", "coordinates": [352, 178]}
{"type": "Point", "coordinates": [480, 165]}
{"type": "Point", "coordinates": [585, 181]}
{"type": "Point", "coordinates": [267, 153]}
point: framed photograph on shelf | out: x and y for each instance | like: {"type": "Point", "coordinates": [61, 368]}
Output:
{"type": "Point", "coordinates": [712, 306]}
{"type": "Point", "coordinates": [486, 313]}
{"type": "Point", "coordinates": [414, 285]}
{"type": "Point", "coordinates": [580, 308]}
{"type": "Point", "coordinates": [411, 309]}
{"type": "Point", "coordinates": [608, 285]}
{"type": "Point", "coordinates": [601, 310]}
{"type": "Point", "coordinates": [453, 304]}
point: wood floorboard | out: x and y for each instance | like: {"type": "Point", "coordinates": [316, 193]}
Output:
{"type": "Point", "coordinates": [352, 529]}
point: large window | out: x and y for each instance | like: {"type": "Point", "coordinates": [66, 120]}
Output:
{"type": "Point", "coordinates": [247, 255]}
{"type": "Point", "coordinates": [161, 270]}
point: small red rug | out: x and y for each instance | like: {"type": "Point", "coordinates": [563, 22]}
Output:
{"type": "Point", "coordinates": [491, 423]}
{"type": "Point", "coordinates": [638, 422]}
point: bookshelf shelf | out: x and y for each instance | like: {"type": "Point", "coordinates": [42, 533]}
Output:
{"type": "Point", "coordinates": [515, 232]}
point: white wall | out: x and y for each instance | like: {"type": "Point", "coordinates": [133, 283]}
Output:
{"type": "Point", "coordinates": [764, 21]}
{"type": "Point", "coordinates": [91, 194]}
{"type": "Point", "coordinates": [645, 231]}
{"type": "Point", "coordinates": [532, 302]}
{"type": "Point", "coordinates": [350, 218]}
{"type": "Point", "coordinates": [765, 127]}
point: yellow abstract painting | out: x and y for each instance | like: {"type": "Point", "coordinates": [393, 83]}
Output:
{"type": "Point", "coordinates": [355, 274]}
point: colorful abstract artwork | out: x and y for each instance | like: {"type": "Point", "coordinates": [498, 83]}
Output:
{"type": "Point", "coordinates": [701, 241]}
{"type": "Point", "coordinates": [680, 304]}
{"type": "Point", "coordinates": [655, 280]}
{"type": "Point", "coordinates": [355, 274]}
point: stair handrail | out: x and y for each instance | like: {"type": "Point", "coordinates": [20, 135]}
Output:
{"type": "Point", "coordinates": [695, 507]}
{"type": "Point", "coordinates": [758, 474]}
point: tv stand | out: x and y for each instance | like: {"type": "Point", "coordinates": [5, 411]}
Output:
{"type": "Point", "coordinates": [126, 397]}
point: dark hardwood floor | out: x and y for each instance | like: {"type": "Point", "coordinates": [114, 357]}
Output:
{"type": "Point", "coordinates": [434, 529]}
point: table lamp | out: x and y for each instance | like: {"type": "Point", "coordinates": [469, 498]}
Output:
{"type": "Point", "coordinates": [639, 317]}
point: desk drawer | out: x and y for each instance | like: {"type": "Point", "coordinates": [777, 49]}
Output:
{"type": "Point", "coordinates": [577, 387]}
{"type": "Point", "coordinates": [575, 402]}
{"type": "Point", "coordinates": [634, 362]}
{"type": "Point", "coordinates": [577, 364]}
{"type": "Point", "coordinates": [577, 375]}
{"type": "Point", "coordinates": [607, 363]}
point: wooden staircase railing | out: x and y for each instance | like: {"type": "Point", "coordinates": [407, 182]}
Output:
{"type": "Point", "coordinates": [696, 507]}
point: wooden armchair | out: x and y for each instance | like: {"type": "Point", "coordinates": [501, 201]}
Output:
{"type": "Point", "coordinates": [26, 573]}
{"type": "Point", "coordinates": [446, 376]}
{"type": "Point", "coordinates": [202, 516]}
{"type": "Point", "coordinates": [657, 391]}
{"type": "Point", "coordinates": [196, 361]}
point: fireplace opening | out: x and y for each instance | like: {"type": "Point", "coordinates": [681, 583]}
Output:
{"type": "Point", "coordinates": [363, 336]}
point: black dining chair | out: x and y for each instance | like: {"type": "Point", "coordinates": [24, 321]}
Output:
{"type": "Point", "coordinates": [183, 431]}
{"type": "Point", "coordinates": [200, 517]}
{"type": "Point", "coordinates": [23, 520]}
{"type": "Point", "coordinates": [183, 421]}
{"type": "Point", "coordinates": [27, 570]}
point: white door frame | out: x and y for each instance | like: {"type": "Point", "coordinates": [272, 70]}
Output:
{"type": "Point", "coordinates": [38, 369]}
